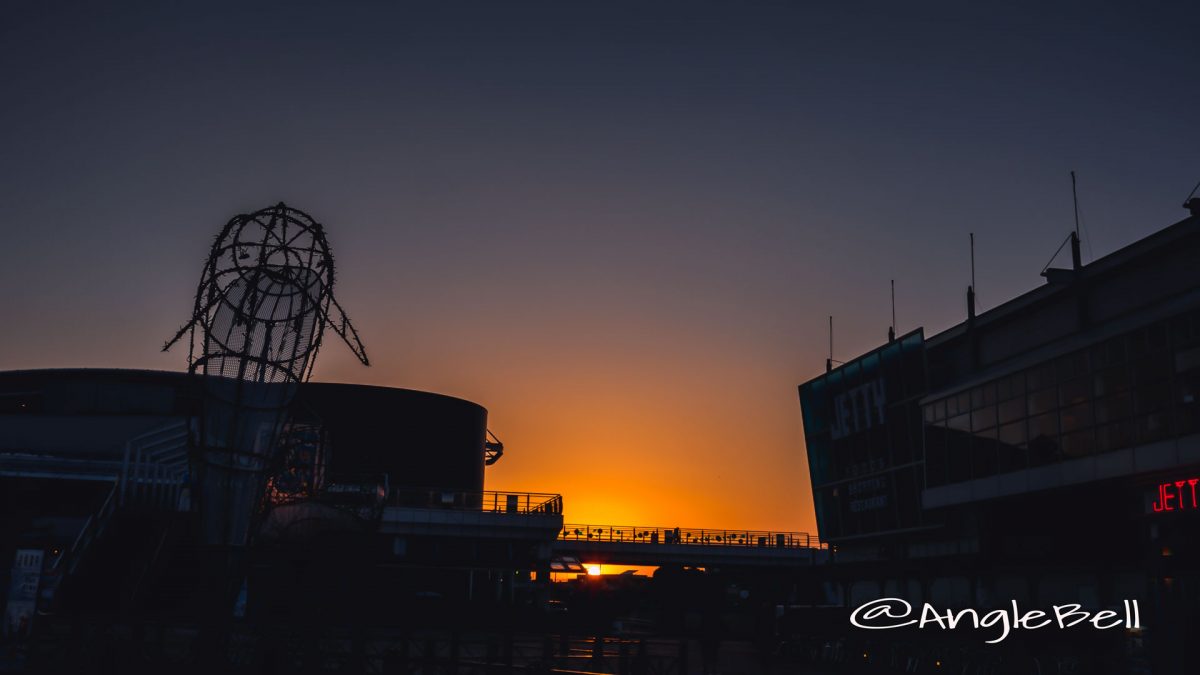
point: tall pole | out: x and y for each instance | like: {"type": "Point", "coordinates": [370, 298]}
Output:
{"type": "Point", "coordinates": [1076, 259]}
{"type": "Point", "coordinates": [1075, 200]}
{"type": "Point", "coordinates": [971, 288]}
{"type": "Point", "coordinates": [829, 361]}
{"type": "Point", "coordinates": [972, 260]}
{"type": "Point", "coordinates": [893, 305]}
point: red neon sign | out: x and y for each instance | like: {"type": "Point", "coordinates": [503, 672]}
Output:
{"type": "Point", "coordinates": [1173, 497]}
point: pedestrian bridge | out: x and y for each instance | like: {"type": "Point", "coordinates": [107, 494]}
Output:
{"type": "Point", "coordinates": [642, 545]}
{"type": "Point", "coordinates": [537, 519]}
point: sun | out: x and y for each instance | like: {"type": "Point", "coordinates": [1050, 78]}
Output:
{"type": "Point", "coordinates": [592, 570]}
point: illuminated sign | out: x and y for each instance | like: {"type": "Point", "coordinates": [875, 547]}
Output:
{"type": "Point", "coordinates": [858, 409]}
{"type": "Point", "coordinates": [1178, 495]}
{"type": "Point", "coordinates": [862, 433]}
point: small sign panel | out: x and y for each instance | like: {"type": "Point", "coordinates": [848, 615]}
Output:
{"type": "Point", "coordinates": [1175, 495]}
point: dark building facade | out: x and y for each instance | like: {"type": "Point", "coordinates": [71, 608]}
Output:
{"type": "Point", "coordinates": [417, 439]}
{"type": "Point", "coordinates": [1044, 451]}
{"type": "Point", "coordinates": [374, 500]}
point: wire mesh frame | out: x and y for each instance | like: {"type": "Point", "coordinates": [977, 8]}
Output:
{"type": "Point", "coordinates": [263, 303]}
{"type": "Point", "coordinates": [285, 250]}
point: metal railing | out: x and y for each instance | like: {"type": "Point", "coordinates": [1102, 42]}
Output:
{"type": "Point", "coordinates": [152, 472]}
{"type": "Point", "coordinates": [691, 536]}
{"type": "Point", "coordinates": [155, 467]}
{"type": "Point", "coordinates": [92, 527]}
{"type": "Point", "coordinates": [488, 501]}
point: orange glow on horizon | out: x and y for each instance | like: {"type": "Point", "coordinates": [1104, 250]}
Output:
{"type": "Point", "coordinates": [637, 414]}
{"type": "Point", "coordinates": [631, 439]}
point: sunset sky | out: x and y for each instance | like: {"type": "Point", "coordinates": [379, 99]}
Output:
{"type": "Point", "coordinates": [620, 226]}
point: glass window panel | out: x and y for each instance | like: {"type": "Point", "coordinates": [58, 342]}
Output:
{"type": "Point", "coordinates": [1187, 403]}
{"type": "Point", "coordinates": [1156, 336]}
{"type": "Point", "coordinates": [984, 418]}
{"type": "Point", "coordinates": [1111, 379]}
{"type": "Point", "coordinates": [1012, 409]}
{"type": "Point", "coordinates": [1040, 377]}
{"type": "Point", "coordinates": [977, 397]}
{"type": "Point", "coordinates": [939, 409]}
{"type": "Point", "coordinates": [1114, 436]}
{"type": "Point", "coordinates": [913, 368]}
{"type": "Point", "coordinates": [983, 455]}
{"type": "Point", "coordinates": [1011, 457]}
{"type": "Point", "coordinates": [1043, 401]}
{"type": "Point", "coordinates": [983, 395]}
{"type": "Point", "coordinates": [1071, 365]}
{"type": "Point", "coordinates": [1004, 388]}
{"type": "Point", "coordinates": [1154, 368]}
{"type": "Point", "coordinates": [1016, 385]}
{"type": "Point", "coordinates": [1043, 426]}
{"type": "Point", "coordinates": [914, 429]}
{"type": "Point", "coordinates": [960, 422]}
{"type": "Point", "coordinates": [1115, 349]}
{"type": "Point", "coordinates": [963, 401]}
{"type": "Point", "coordinates": [1138, 346]}
{"type": "Point", "coordinates": [958, 457]}
{"type": "Point", "coordinates": [1075, 391]}
{"type": "Point", "coordinates": [852, 370]}
{"type": "Point", "coordinates": [1079, 443]}
{"type": "Point", "coordinates": [906, 497]}
{"type": "Point", "coordinates": [1151, 398]}
{"type": "Point", "coordinates": [1152, 427]}
{"type": "Point", "coordinates": [1077, 417]}
{"type": "Point", "coordinates": [1043, 448]}
{"type": "Point", "coordinates": [1013, 434]}
{"type": "Point", "coordinates": [935, 456]}
{"type": "Point", "coordinates": [897, 432]}
{"type": "Point", "coordinates": [835, 378]}
{"type": "Point", "coordinates": [1179, 330]}
{"type": "Point", "coordinates": [930, 414]}
{"type": "Point", "coordinates": [1115, 407]}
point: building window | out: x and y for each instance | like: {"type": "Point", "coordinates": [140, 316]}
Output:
{"type": "Point", "coordinates": [1137, 388]}
{"type": "Point", "coordinates": [1043, 401]}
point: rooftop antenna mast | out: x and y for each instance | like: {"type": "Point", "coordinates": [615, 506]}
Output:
{"type": "Point", "coordinates": [1075, 200]}
{"type": "Point", "coordinates": [892, 330]}
{"type": "Point", "coordinates": [971, 288]}
{"type": "Point", "coordinates": [1076, 260]}
{"type": "Point", "coordinates": [829, 361]}
{"type": "Point", "coordinates": [972, 260]}
{"type": "Point", "coordinates": [1055, 275]}
{"type": "Point", "coordinates": [1192, 205]}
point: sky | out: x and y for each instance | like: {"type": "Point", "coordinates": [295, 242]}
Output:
{"type": "Point", "coordinates": [619, 226]}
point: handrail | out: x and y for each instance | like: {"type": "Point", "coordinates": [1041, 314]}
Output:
{"type": "Point", "coordinates": [140, 471]}
{"type": "Point", "coordinates": [689, 536]}
{"type": "Point", "coordinates": [91, 528]}
{"type": "Point", "coordinates": [156, 464]}
{"type": "Point", "coordinates": [488, 500]}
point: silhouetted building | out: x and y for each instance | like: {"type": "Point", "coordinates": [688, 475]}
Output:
{"type": "Point", "coordinates": [374, 500]}
{"type": "Point", "coordinates": [1046, 450]}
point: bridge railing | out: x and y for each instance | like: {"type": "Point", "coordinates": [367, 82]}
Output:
{"type": "Point", "coordinates": [690, 536]}
{"type": "Point", "coordinates": [488, 501]}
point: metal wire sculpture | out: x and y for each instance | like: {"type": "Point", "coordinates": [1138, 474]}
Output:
{"type": "Point", "coordinates": [263, 304]}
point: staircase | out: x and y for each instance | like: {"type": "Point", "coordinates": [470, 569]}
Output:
{"type": "Point", "coordinates": [148, 492]}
